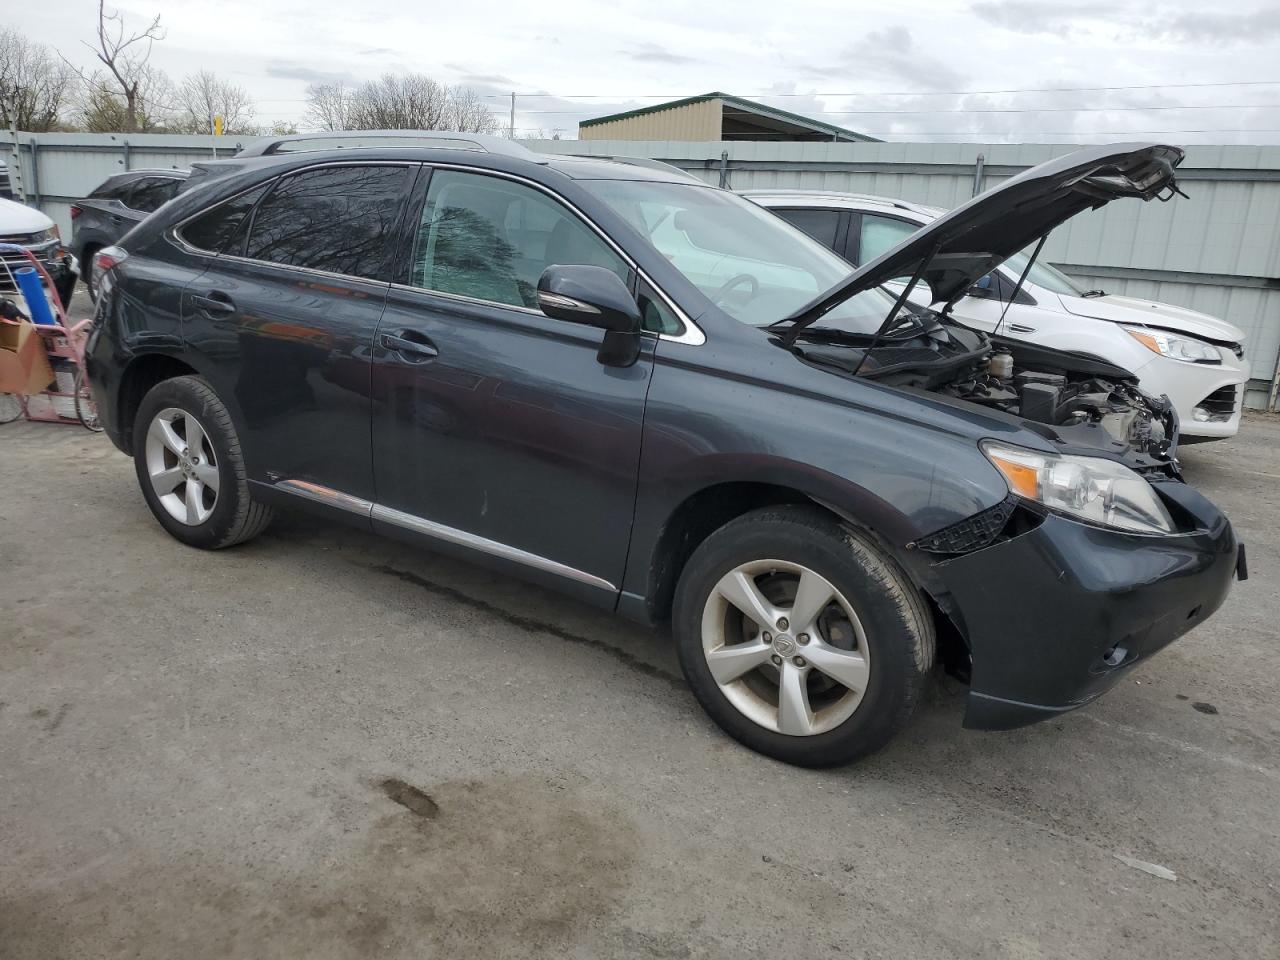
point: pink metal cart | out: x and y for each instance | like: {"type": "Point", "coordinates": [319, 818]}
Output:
{"type": "Point", "coordinates": [69, 400]}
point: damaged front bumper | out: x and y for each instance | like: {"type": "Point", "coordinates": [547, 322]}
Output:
{"type": "Point", "coordinates": [1056, 615]}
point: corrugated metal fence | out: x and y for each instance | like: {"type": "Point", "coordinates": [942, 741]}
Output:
{"type": "Point", "coordinates": [1217, 252]}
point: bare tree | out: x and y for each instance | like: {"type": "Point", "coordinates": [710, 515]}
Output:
{"type": "Point", "coordinates": [409, 101]}
{"type": "Point", "coordinates": [469, 113]}
{"type": "Point", "coordinates": [100, 109]}
{"type": "Point", "coordinates": [329, 105]}
{"type": "Point", "coordinates": [203, 96]}
{"type": "Point", "coordinates": [125, 57]}
{"type": "Point", "coordinates": [34, 84]}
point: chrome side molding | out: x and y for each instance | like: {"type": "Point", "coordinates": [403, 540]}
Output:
{"type": "Point", "coordinates": [436, 531]}
{"type": "Point", "coordinates": [326, 495]}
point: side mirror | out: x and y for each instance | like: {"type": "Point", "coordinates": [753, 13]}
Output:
{"type": "Point", "coordinates": [595, 296]}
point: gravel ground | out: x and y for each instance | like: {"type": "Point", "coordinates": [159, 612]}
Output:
{"type": "Point", "coordinates": [324, 744]}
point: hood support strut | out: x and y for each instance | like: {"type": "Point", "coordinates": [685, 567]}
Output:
{"type": "Point", "coordinates": [897, 305]}
{"type": "Point", "coordinates": [1022, 278]}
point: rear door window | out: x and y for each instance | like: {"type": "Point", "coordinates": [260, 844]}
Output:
{"type": "Point", "coordinates": [822, 225]}
{"type": "Point", "coordinates": [339, 219]}
{"type": "Point", "coordinates": [151, 193]}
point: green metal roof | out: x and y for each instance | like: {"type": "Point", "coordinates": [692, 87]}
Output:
{"type": "Point", "coordinates": [740, 103]}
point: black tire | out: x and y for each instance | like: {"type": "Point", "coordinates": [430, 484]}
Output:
{"type": "Point", "coordinates": [898, 626]}
{"type": "Point", "coordinates": [86, 407]}
{"type": "Point", "coordinates": [86, 271]}
{"type": "Point", "coordinates": [236, 516]}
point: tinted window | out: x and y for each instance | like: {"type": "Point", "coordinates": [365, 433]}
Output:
{"type": "Point", "coordinates": [213, 231]}
{"type": "Point", "coordinates": [113, 190]}
{"type": "Point", "coordinates": [151, 193]}
{"type": "Point", "coordinates": [337, 219]}
{"type": "Point", "coordinates": [880, 234]}
{"type": "Point", "coordinates": [819, 224]}
{"type": "Point", "coordinates": [490, 239]}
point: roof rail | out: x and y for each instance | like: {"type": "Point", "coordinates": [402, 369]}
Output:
{"type": "Point", "coordinates": [648, 162]}
{"type": "Point", "coordinates": [353, 139]}
{"type": "Point", "coordinates": [835, 194]}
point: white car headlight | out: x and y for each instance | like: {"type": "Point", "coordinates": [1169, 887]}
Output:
{"type": "Point", "coordinates": [1089, 488]}
{"type": "Point", "coordinates": [1187, 349]}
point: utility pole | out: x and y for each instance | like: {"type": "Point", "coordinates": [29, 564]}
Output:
{"type": "Point", "coordinates": [511, 131]}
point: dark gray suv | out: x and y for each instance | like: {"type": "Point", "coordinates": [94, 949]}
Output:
{"type": "Point", "coordinates": [662, 400]}
{"type": "Point", "coordinates": [115, 207]}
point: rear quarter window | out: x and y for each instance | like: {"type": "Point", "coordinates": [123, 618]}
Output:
{"type": "Point", "coordinates": [221, 228]}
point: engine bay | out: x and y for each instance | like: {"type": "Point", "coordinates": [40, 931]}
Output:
{"type": "Point", "coordinates": [1087, 400]}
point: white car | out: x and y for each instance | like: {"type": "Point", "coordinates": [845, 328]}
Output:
{"type": "Point", "coordinates": [27, 227]}
{"type": "Point", "coordinates": [1194, 359]}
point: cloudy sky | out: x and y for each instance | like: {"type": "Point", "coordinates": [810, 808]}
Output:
{"type": "Point", "coordinates": [968, 70]}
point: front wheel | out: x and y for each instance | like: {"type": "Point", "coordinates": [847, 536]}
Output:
{"type": "Point", "coordinates": [800, 637]}
{"type": "Point", "coordinates": [187, 457]}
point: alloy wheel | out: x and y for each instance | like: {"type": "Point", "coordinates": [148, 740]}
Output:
{"type": "Point", "coordinates": [182, 466]}
{"type": "Point", "coordinates": [785, 647]}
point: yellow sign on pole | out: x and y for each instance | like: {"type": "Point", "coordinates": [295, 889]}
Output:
{"type": "Point", "coordinates": [217, 126]}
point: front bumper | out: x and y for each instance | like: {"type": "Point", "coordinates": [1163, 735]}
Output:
{"type": "Point", "coordinates": [1054, 617]}
{"type": "Point", "coordinates": [1189, 385]}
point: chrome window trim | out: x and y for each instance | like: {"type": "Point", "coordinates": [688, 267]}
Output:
{"type": "Point", "coordinates": [463, 298]}
{"type": "Point", "coordinates": [319, 493]}
{"type": "Point", "coordinates": [692, 333]}
{"type": "Point", "coordinates": [175, 232]}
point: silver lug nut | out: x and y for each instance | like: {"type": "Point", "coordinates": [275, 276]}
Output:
{"type": "Point", "coordinates": [802, 639]}
{"type": "Point", "coordinates": [799, 661]}
{"type": "Point", "coordinates": [777, 660]}
{"type": "Point", "coordinates": [766, 637]}
{"type": "Point", "coordinates": [783, 623]}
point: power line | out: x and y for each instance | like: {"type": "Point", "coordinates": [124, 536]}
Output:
{"type": "Point", "coordinates": [860, 93]}
{"type": "Point", "coordinates": [896, 93]}
{"type": "Point", "coordinates": [898, 113]}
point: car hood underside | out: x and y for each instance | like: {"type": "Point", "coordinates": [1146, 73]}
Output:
{"type": "Point", "coordinates": [962, 246]}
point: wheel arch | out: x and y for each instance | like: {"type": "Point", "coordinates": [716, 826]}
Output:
{"type": "Point", "coordinates": [702, 511]}
{"type": "Point", "coordinates": [142, 373]}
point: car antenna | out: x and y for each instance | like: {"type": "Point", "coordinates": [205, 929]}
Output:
{"type": "Point", "coordinates": [1018, 286]}
{"type": "Point", "coordinates": [897, 304]}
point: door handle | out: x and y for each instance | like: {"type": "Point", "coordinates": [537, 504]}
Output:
{"type": "Point", "coordinates": [416, 350]}
{"type": "Point", "coordinates": [214, 303]}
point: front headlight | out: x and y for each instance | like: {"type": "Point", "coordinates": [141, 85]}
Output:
{"type": "Point", "coordinates": [1089, 488]}
{"type": "Point", "coordinates": [44, 236]}
{"type": "Point", "coordinates": [1187, 349]}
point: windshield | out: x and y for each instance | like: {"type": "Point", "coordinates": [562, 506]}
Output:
{"type": "Point", "coordinates": [751, 264]}
{"type": "Point", "coordinates": [1042, 275]}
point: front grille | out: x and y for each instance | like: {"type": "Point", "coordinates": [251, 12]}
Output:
{"type": "Point", "coordinates": [1221, 404]}
{"type": "Point", "coordinates": [11, 260]}
{"type": "Point", "coordinates": [19, 239]}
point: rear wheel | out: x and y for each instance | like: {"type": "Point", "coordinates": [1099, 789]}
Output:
{"type": "Point", "coordinates": [86, 271]}
{"type": "Point", "coordinates": [800, 637]}
{"type": "Point", "coordinates": [189, 465]}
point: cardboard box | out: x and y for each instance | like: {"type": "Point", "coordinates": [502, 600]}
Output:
{"type": "Point", "coordinates": [24, 365]}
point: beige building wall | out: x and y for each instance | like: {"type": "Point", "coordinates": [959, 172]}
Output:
{"type": "Point", "coordinates": [693, 121]}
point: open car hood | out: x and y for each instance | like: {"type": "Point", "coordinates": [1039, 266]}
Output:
{"type": "Point", "coordinates": [966, 244]}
